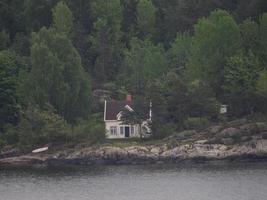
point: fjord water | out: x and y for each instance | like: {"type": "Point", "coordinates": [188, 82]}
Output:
{"type": "Point", "coordinates": [242, 181]}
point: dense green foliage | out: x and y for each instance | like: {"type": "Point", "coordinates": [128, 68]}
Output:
{"type": "Point", "coordinates": [143, 62]}
{"type": "Point", "coordinates": [9, 105]}
{"type": "Point", "coordinates": [39, 127]}
{"type": "Point", "coordinates": [91, 130]}
{"type": "Point", "coordinates": [186, 56]}
{"type": "Point", "coordinates": [65, 85]}
{"type": "Point", "coordinates": [215, 39]}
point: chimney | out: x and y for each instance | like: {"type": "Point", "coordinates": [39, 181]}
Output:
{"type": "Point", "coordinates": [129, 97]}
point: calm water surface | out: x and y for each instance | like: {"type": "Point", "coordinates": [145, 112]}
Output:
{"type": "Point", "coordinates": [245, 181]}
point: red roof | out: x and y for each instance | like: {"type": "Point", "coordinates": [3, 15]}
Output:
{"type": "Point", "coordinates": [114, 107]}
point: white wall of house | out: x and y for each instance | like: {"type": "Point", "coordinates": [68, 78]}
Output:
{"type": "Point", "coordinates": [116, 130]}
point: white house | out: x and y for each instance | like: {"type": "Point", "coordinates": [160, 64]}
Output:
{"type": "Point", "coordinates": [114, 126]}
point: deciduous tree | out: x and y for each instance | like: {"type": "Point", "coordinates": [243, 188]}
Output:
{"type": "Point", "coordinates": [57, 76]}
{"type": "Point", "coordinates": [216, 38]}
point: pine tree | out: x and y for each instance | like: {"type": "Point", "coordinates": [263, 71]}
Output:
{"type": "Point", "coordinates": [146, 18]}
{"type": "Point", "coordinates": [9, 103]}
{"type": "Point", "coordinates": [106, 39]}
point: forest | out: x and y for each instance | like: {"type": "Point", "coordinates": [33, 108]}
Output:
{"type": "Point", "coordinates": [188, 57]}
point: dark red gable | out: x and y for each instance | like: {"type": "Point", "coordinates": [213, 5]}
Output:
{"type": "Point", "coordinates": [114, 107]}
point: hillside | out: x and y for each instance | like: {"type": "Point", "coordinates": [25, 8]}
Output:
{"type": "Point", "coordinates": [187, 57]}
{"type": "Point", "coordinates": [235, 141]}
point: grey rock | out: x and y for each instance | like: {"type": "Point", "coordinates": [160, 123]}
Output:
{"type": "Point", "coordinates": [238, 122]}
{"type": "Point", "coordinates": [264, 135]}
{"type": "Point", "coordinates": [229, 132]}
{"type": "Point", "coordinates": [249, 129]}
{"type": "Point", "coordinates": [262, 126]}
{"type": "Point", "coordinates": [227, 141]}
{"type": "Point", "coordinates": [214, 129]}
{"type": "Point", "coordinates": [245, 138]}
{"type": "Point", "coordinates": [182, 135]}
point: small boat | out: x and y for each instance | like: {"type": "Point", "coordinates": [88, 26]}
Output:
{"type": "Point", "coordinates": [40, 150]}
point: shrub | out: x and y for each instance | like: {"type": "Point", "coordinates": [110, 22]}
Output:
{"type": "Point", "coordinates": [39, 127]}
{"type": "Point", "coordinates": [160, 131]}
{"type": "Point", "coordinates": [196, 123]}
{"type": "Point", "coordinates": [11, 134]}
{"type": "Point", "coordinates": [91, 130]}
{"type": "Point", "coordinates": [187, 133]}
{"type": "Point", "coordinates": [258, 117]}
{"type": "Point", "coordinates": [2, 143]}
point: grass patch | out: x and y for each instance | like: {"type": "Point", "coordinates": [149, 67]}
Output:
{"type": "Point", "coordinates": [132, 142]}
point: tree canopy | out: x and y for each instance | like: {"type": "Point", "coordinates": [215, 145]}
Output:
{"type": "Point", "coordinates": [187, 57]}
{"type": "Point", "coordinates": [57, 76]}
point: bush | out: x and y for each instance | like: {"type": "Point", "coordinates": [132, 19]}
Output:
{"type": "Point", "coordinates": [258, 117]}
{"type": "Point", "coordinates": [92, 130]}
{"type": "Point", "coordinates": [160, 131]}
{"type": "Point", "coordinates": [39, 127]}
{"type": "Point", "coordinates": [2, 143]}
{"type": "Point", "coordinates": [11, 134]}
{"type": "Point", "coordinates": [196, 123]}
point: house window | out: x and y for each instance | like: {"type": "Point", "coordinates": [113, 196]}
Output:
{"type": "Point", "coordinates": [113, 130]}
{"type": "Point", "coordinates": [121, 130]}
{"type": "Point", "coordinates": [132, 130]}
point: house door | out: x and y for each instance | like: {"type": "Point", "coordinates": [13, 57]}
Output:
{"type": "Point", "coordinates": [127, 131]}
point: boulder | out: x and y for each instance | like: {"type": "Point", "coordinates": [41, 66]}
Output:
{"type": "Point", "coordinates": [245, 138]}
{"type": "Point", "coordinates": [238, 122]}
{"type": "Point", "coordinates": [214, 129]}
{"type": "Point", "coordinates": [186, 134]}
{"type": "Point", "coordinates": [156, 150]}
{"type": "Point", "coordinates": [264, 135]}
{"type": "Point", "coordinates": [230, 132]}
{"type": "Point", "coordinates": [172, 153]}
{"type": "Point", "coordinates": [9, 152]}
{"type": "Point", "coordinates": [182, 135]}
{"type": "Point", "coordinates": [262, 126]}
{"type": "Point", "coordinates": [215, 140]}
{"type": "Point", "coordinates": [114, 153]}
{"type": "Point", "coordinates": [101, 95]}
{"type": "Point", "coordinates": [22, 161]}
{"type": "Point", "coordinates": [201, 141]}
{"type": "Point", "coordinates": [261, 145]}
{"type": "Point", "coordinates": [222, 148]}
{"type": "Point", "coordinates": [227, 141]}
{"type": "Point", "coordinates": [138, 151]}
{"type": "Point", "coordinates": [249, 129]}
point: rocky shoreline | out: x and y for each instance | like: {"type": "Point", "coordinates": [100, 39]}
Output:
{"type": "Point", "coordinates": [196, 152]}
{"type": "Point", "coordinates": [235, 141]}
